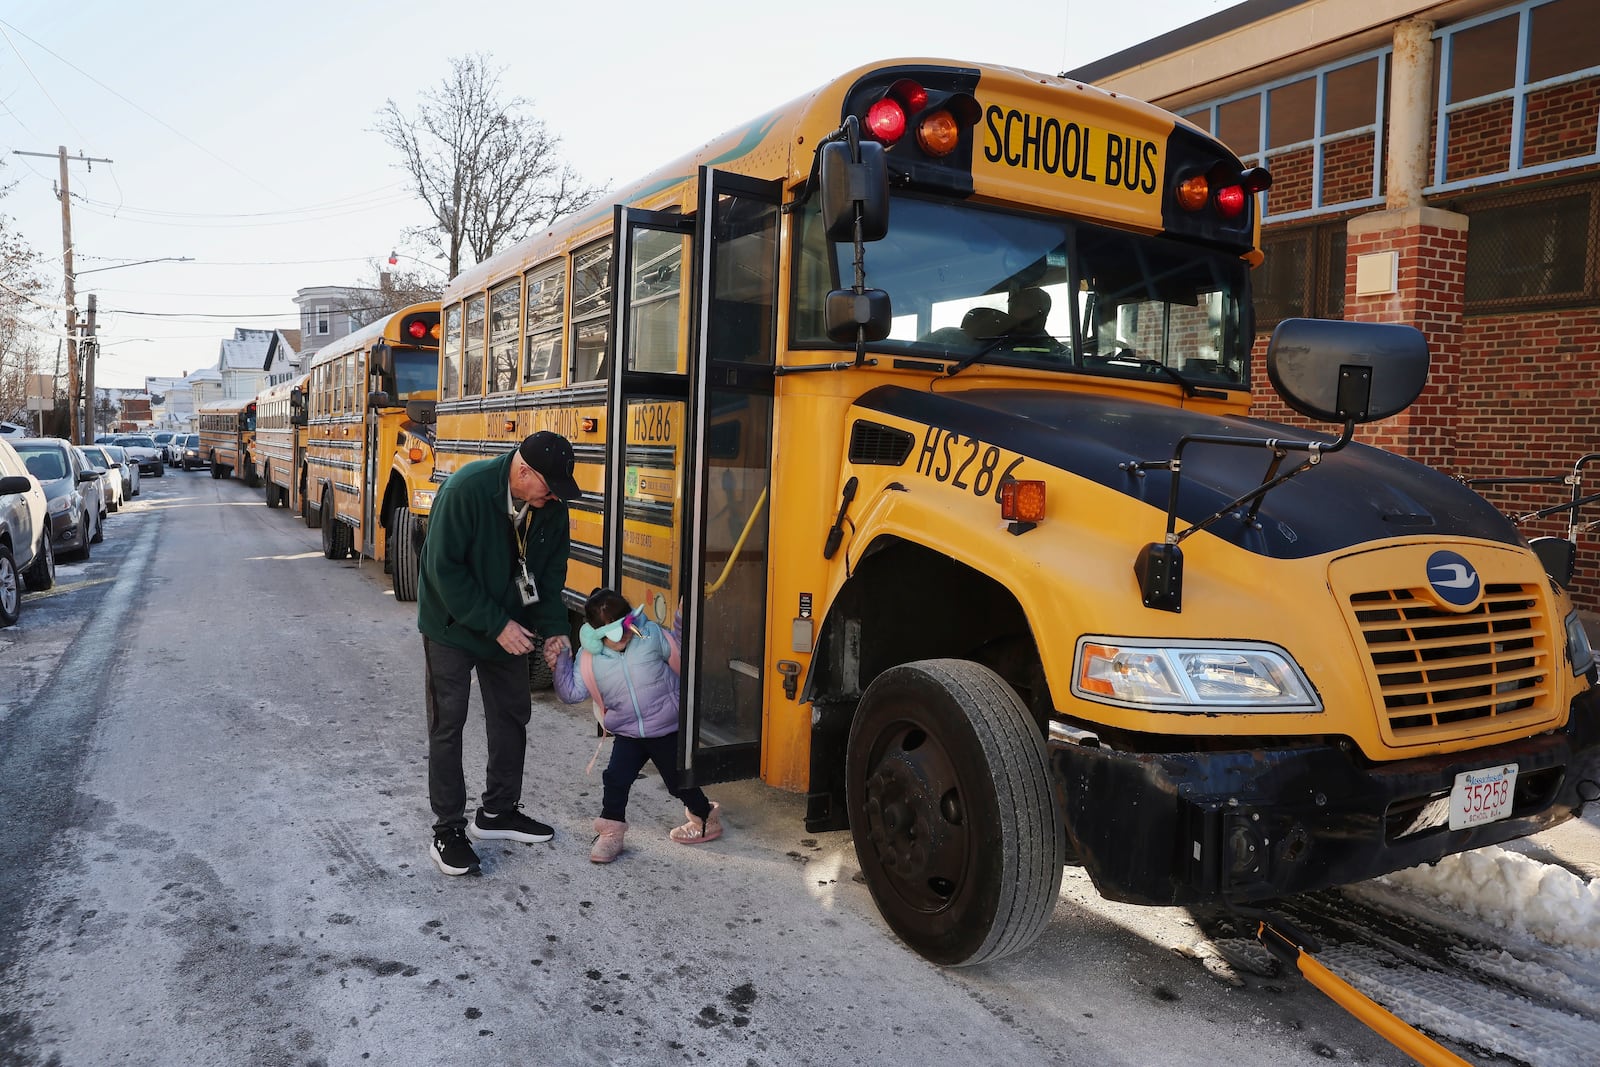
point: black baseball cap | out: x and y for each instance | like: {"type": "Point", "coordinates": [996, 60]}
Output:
{"type": "Point", "coordinates": [551, 455]}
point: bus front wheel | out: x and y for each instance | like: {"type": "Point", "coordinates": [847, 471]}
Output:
{"type": "Point", "coordinates": [404, 554]}
{"type": "Point", "coordinates": [955, 823]}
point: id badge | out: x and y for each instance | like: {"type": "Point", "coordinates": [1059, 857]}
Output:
{"type": "Point", "coordinates": [526, 588]}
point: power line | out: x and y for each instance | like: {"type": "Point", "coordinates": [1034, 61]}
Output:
{"type": "Point", "coordinates": [244, 173]}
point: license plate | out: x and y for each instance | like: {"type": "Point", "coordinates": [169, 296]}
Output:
{"type": "Point", "coordinates": [1482, 796]}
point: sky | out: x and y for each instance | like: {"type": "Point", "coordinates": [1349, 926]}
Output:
{"type": "Point", "coordinates": [241, 137]}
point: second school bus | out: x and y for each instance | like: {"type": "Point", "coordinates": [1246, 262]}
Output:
{"type": "Point", "coordinates": [227, 435]}
{"type": "Point", "coordinates": [281, 443]}
{"type": "Point", "coordinates": [928, 393]}
{"type": "Point", "coordinates": [369, 446]}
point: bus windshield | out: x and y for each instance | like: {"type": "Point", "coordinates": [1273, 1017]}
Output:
{"type": "Point", "coordinates": [416, 370]}
{"type": "Point", "coordinates": [971, 282]}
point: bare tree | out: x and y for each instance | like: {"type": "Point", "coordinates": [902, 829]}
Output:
{"type": "Point", "coordinates": [487, 169]}
{"type": "Point", "coordinates": [385, 289]}
{"type": "Point", "coordinates": [19, 288]}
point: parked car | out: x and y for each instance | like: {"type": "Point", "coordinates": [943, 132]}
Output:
{"type": "Point", "coordinates": [26, 554]}
{"type": "Point", "coordinates": [110, 476]}
{"type": "Point", "coordinates": [142, 449]}
{"type": "Point", "coordinates": [192, 456]}
{"type": "Point", "coordinates": [12, 430]}
{"type": "Point", "coordinates": [173, 449]}
{"type": "Point", "coordinates": [72, 493]}
{"type": "Point", "coordinates": [130, 470]}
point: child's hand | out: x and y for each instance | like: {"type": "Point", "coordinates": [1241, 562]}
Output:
{"type": "Point", "coordinates": [552, 652]}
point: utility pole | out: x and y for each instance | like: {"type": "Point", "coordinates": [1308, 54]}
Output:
{"type": "Point", "coordinates": [62, 192]}
{"type": "Point", "coordinates": [91, 349]}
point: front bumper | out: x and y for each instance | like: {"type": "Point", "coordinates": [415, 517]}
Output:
{"type": "Point", "coordinates": [1255, 823]}
{"type": "Point", "coordinates": [64, 533]}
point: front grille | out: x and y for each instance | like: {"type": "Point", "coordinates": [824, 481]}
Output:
{"type": "Point", "coordinates": [1445, 675]}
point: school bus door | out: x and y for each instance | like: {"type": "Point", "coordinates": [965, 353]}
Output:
{"type": "Point", "coordinates": [691, 401]}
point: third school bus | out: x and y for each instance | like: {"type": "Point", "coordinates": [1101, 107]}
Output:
{"type": "Point", "coordinates": [281, 443]}
{"type": "Point", "coordinates": [227, 435]}
{"type": "Point", "coordinates": [928, 393]}
{"type": "Point", "coordinates": [369, 459]}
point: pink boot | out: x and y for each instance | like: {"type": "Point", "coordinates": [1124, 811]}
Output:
{"type": "Point", "coordinates": [608, 840]}
{"type": "Point", "coordinates": [697, 831]}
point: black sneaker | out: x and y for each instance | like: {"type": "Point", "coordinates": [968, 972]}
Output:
{"type": "Point", "coordinates": [451, 853]}
{"type": "Point", "coordinates": [508, 826]}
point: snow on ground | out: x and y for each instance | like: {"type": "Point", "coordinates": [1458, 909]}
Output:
{"type": "Point", "coordinates": [1512, 892]}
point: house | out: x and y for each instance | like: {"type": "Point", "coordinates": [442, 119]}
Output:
{"type": "Point", "coordinates": [329, 312]}
{"type": "Point", "coordinates": [283, 356]}
{"type": "Point", "coordinates": [1436, 164]}
{"type": "Point", "coordinates": [241, 364]}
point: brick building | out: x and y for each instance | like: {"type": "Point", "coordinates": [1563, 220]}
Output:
{"type": "Point", "coordinates": [1436, 164]}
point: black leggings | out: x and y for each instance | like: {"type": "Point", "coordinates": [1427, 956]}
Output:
{"type": "Point", "coordinates": [628, 757]}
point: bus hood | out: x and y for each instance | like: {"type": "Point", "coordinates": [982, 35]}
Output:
{"type": "Point", "coordinates": [1354, 496]}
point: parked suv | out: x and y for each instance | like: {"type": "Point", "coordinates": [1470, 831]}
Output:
{"type": "Point", "coordinates": [71, 490]}
{"type": "Point", "coordinates": [142, 449]}
{"type": "Point", "coordinates": [163, 438]}
{"type": "Point", "coordinates": [25, 551]}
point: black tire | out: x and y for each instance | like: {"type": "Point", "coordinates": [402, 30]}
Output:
{"type": "Point", "coordinates": [42, 574]}
{"type": "Point", "coordinates": [539, 675]}
{"type": "Point", "coordinates": [186, 466]}
{"type": "Point", "coordinates": [99, 529]}
{"type": "Point", "coordinates": [161, 470]}
{"type": "Point", "coordinates": [10, 588]}
{"type": "Point", "coordinates": [216, 469]}
{"type": "Point", "coordinates": [405, 556]}
{"type": "Point", "coordinates": [272, 490]}
{"type": "Point", "coordinates": [955, 822]}
{"type": "Point", "coordinates": [335, 534]}
{"type": "Point", "coordinates": [83, 537]}
{"type": "Point", "coordinates": [312, 515]}
{"type": "Point", "coordinates": [247, 469]}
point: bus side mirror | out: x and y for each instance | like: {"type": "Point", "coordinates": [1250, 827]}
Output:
{"type": "Point", "coordinates": [421, 412]}
{"type": "Point", "coordinates": [849, 311]}
{"type": "Point", "coordinates": [1347, 372]}
{"type": "Point", "coordinates": [297, 407]}
{"type": "Point", "coordinates": [378, 398]}
{"type": "Point", "coordinates": [849, 187]}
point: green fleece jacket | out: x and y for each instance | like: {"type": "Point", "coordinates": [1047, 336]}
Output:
{"type": "Point", "coordinates": [466, 589]}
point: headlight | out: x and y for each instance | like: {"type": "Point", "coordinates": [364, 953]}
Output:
{"type": "Point", "coordinates": [57, 504]}
{"type": "Point", "coordinates": [1196, 677]}
{"type": "Point", "coordinates": [1579, 650]}
{"type": "Point", "coordinates": [422, 499]}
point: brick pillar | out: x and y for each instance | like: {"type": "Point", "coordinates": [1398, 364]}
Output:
{"type": "Point", "coordinates": [1410, 266]}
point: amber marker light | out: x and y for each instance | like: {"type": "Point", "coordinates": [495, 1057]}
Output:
{"type": "Point", "coordinates": [589, 424]}
{"type": "Point", "coordinates": [1022, 501]}
{"type": "Point", "coordinates": [1194, 192]}
{"type": "Point", "coordinates": [938, 134]}
{"type": "Point", "coordinates": [511, 425]}
{"type": "Point", "coordinates": [415, 454]}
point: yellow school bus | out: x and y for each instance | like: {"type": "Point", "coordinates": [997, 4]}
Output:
{"type": "Point", "coordinates": [929, 394]}
{"type": "Point", "coordinates": [281, 442]}
{"type": "Point", "coordinates": [227, 435]}
{"type": "Point", "coordinates": [369, 443]}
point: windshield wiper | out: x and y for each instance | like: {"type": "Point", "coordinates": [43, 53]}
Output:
{"type": "Point", "coordinates": [966, 361]}
{"type": "Point", "coordinates": [1189, 388]}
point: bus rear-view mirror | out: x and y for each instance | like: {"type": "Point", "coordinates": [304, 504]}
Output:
{"type": "Point", "coordinates": [1347, 372]}
{"type": "Point", "coordinates": [850, 187]}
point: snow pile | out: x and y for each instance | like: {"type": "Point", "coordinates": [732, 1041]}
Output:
{"type": "Point", "coordinates": [1513, 892]}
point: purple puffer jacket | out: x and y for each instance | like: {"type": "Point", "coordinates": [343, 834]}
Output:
{"type": "Point", "coordinates": [639, 686]}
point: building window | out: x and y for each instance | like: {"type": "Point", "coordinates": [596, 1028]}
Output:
{"type": "Point", "coordinates": [1519, 93]}
{"type": "Point", "coordinates": [1302, 276]}
{"type": "Point", "coordinates": [1318, 131]}
{"type": "Point", "coordinates": [322, 319]}
{"type": "Point", "coordinates": [1533, 249]}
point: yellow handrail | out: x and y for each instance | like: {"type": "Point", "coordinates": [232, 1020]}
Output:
{"type": "Point", "coordinates": [733, 557]}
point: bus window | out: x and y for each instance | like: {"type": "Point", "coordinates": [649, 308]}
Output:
{"type": "Point", "coordinates": [472, 348]}
{"type": "Point", "coordinates": [981, 280]}
{"type": "Point", "coordinates": [655, 301]}
{"type": "Point", "coordinates": [416, 370]}
{"type": "Point", "coordinates": [591, 311]}
{"type": "Point", "coordinates": [505, 309]}
{"type": "Point", "coordinates": [544, 327]}
{"type": "Point", "coordinates": [450, 356]}
{"type": "Point", "coordinates": [742, 315]}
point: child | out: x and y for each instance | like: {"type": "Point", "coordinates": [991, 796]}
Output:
{"type": "Point", "coordinates": [629, 667]}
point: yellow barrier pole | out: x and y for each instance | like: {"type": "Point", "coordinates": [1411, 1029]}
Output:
{"type": "Point", "coordinates": [1368, 1012]}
